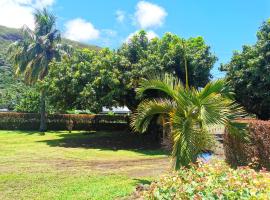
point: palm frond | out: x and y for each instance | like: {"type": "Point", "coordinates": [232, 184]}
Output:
{"type": "Point", "coordinates": [167, 84]}
{"type": "Point", "coordinates": [147, 110]}
{"type": "Point", "coordinates": [191, 113]}
{"type": "Point", "coordinates": [32, 55]}
{"type": "Point", "coordinates": [215, 87]}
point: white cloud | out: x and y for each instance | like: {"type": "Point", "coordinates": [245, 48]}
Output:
{"type": "Point", "coordinates": [120, 16]}
{"type": "Point", "coordinates": [149, 34]}
{"type": "Point", "coordinates": [80, 30]}
{"type": "Point", "coordinates": [16, 13]}
{"type": "Point", "coordinates": [149, 15]}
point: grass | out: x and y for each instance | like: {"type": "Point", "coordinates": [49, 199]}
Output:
{"type": "Point", "coordinates": [79, 165]}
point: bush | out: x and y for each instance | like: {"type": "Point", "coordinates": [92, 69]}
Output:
{"type": "Point", "coordinates": [256, 152]}
{"type": "Point", "coordinates": [31, 121]}
{"type": "Point", "coordinates": [213, 180]}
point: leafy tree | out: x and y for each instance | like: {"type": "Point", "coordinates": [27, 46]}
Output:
{"type": "Point", "coordinates": [86, 80]}
{"type": "Point", "coordinates": [29, 101]}
{"type": "Point", "coordinates": [140, 57]}
{"type": "Point", "coordinates": [248, 73]}
{"type": "Point", "coordinates": [92, 79]}
{"type": "Point", "coordinates": [189, 112]}
{"type": "Point", "coordinates": [31, 55]}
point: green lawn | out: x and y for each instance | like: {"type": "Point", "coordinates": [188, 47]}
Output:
{"type": "Point", "coordinates": [79, 165]}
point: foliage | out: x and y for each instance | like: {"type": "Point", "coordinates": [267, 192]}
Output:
{"type": "Point", "coordinates": [12, 88]}
{"type": "Point", "coordinates": [140, 57]}
{"type": "Point", "coordinates": [29, 101]}
{"type": "Point", "coordinates": [32, 55]}
{"type": "Point", "coordinates": [85, 81]}
{"type": "Point", "coordinates": [189, 113]}
{"type": "Point", "coordinates": [256, 152]}
{"type": "Point", "coordinates": [248, 73]}
{"type": "Point", "coordinates": [30, 121]}
{"type": "Point", "coordinates": [90, 79]}
{"type": "Point", "coordinates": [214, 180]}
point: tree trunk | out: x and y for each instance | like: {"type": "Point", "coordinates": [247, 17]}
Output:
{"type": "Point", "coordinates": [42, 127]}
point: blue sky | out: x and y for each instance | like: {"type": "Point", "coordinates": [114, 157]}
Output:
{"type": "Point", "coordinates": [225, 25]}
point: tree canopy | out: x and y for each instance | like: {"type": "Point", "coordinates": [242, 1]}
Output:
{"type": "Point", "coordinates": [92, 79]}
{"type": "Point", "coordinates": [248, 73]}
{"type": "Point", "coordinates": [86, 80]}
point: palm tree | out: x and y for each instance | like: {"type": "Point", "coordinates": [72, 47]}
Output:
{"type": "Point", "coordinates": [189, 113]}
{"type": "Point", "coordinates": [32, 55]}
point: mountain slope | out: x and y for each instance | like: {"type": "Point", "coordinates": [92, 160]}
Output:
{"type": "Point", "coordinates": [9, 35]}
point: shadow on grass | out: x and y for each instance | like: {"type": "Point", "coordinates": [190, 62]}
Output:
{"type": "Point", "coordinates": [140, 143]}
{"type": "Point", "coordinates": [23, 132]}
{"type": "Point", "coordinates": [142, 181]}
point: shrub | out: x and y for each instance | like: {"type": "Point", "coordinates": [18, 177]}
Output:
{"type": "Point", "coordinates": [30, 121]}
{"type": "Point", "coordinates": [256, 152]}
{"type": "Point", "coordinates": [213, 180]}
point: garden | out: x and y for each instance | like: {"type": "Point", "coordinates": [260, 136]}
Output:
{"type": "Point", "coordinates": [186, 136]}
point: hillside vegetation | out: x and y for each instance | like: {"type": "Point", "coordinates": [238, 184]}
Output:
{"type": "Point", "coordinates": [7, 81]}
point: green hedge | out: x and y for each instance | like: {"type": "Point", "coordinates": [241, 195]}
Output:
{"type": "Point", "coordinates": [255, 153]}
{"type": "Point", "coordinates": [31, 121]}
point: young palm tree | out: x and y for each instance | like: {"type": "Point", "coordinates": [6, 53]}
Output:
{"type": "Point", "coordinates": [32, 55]}
{"type": "Point", "coordinates": [189, 112]}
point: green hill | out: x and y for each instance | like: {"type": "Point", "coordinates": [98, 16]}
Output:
{"type": "Point", "coordinates": [9, 35]}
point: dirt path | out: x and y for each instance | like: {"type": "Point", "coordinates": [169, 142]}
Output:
{"type": "Point", "coordinates": [134, 168]}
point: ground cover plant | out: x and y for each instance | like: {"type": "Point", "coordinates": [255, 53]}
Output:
{"type": "Point", "coordinates": [214, 180]}
{"type": "Point", "coordinates": [80, 165]}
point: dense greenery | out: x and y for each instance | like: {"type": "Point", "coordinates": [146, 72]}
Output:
{"type": "Point", "coordinates": [214, 180]}
{"type": "Point", "coordinates": [248, 73]}
{"type": "Point", "coordinates": [13, 92]}
{"type": "Point", "coordinates": [93, 79]}
{"type": "Point", "coordinates": [87, 80]}
{"type": "Point", "coordinates": [140, 57]}
{"type": "Point", "coordinates": [90, 79]}
{"type": "Point", "coordinates": [189, 112]}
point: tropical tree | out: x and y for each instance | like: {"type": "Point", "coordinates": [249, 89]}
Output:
{"type": "Point", "coordinates": [248, 73]}
{"type": "Point", "coordinates": [189, 113]}
{"type": "Point", "coordinates": [87, 80]}
{"type": "Point", "coordinates": [32, 55]}
{"type": "Point", "coordinates": [92, 79]}
{"type": "Point", "coordinates": [169, 54]}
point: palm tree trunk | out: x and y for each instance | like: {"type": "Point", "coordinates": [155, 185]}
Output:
{"type": "Point", "coordinates": [42, 127]}
{"type": "Point", "coordinates": [185, 63]}
{"type": "Point", "coordinates": [186, 69]}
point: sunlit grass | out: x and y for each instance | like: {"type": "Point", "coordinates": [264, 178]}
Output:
{"type": "Point", "coordinates": [58, 166]}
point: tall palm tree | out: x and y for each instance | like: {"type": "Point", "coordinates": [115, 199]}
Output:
{"type": "Point", "coordinates": [189, 112]}
{"type": "Point", "coordinates": [32, 55]}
